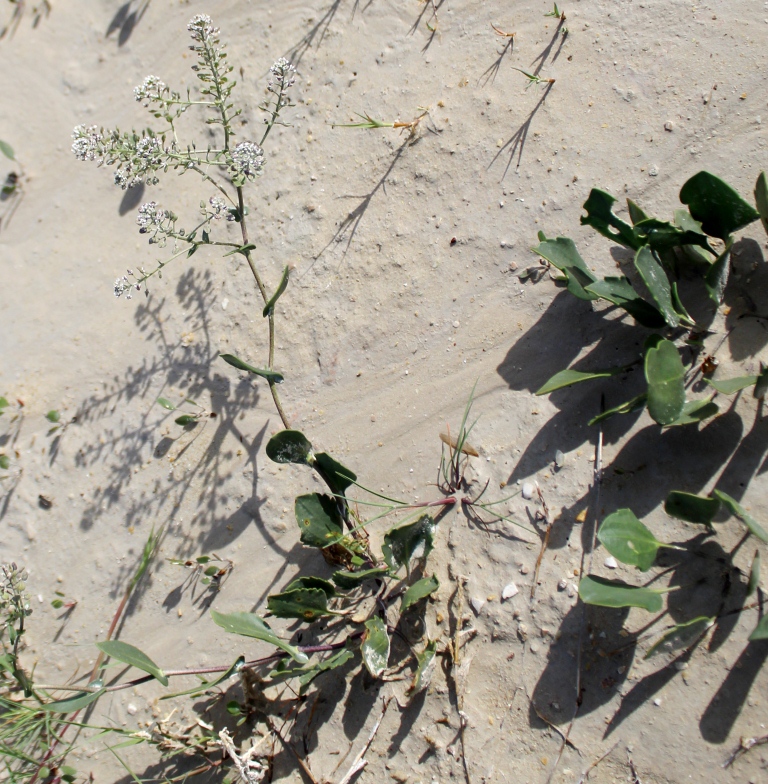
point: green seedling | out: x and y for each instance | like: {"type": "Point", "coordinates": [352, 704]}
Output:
{"type": "Point", "coordinates": [60, 602]}
{"type": "Point", "coordinates": [533, 78]}
{"type": "Point", "coordinates": [187, 420]}
{"type": "Point", "coordinates": [368, 122]}
{"type": "Point", "coordinates": [209, 570]}
{"type": "Point", "coordinates": [556, 13]}
{"type": "Point", "coordinates": [502, 33]}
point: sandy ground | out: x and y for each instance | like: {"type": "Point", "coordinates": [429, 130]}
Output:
{"type": "Point", "coordinates": [406, 292]}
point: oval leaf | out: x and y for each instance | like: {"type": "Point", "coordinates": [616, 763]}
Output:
{"type": "Point", "coordinates": [165, 403]}
{"type": "Point", "coordinates": [186, 419]}
{"type": "Point", "coordinates": [313, 582]}
{"type": "Point", "coordinates": [680, 637]}
{"type": "Point", "coordinates": [690, 507]}
{"type": "Point", "coordinates": [129, 654]}
{"type": "Point", "coordinates": [271, 375]}
{"type": "Point", "coordinates": [418, 591]}
{"type": "Point", "coordinates": [7, 150]}
{"type": "Point", "coordinates": [760, 632]}
{"type": "Point", "coordinates": [569, 377]}
{"type": "Point", "coordinates": [562, 253]}
{"type": "Point", "coordinates": [250, 625]}
{"type": "Point", "coordinates": [609, 593]}
{"type": "Point", "coordinates": [665, 373]}
{"type": "Point", "coordinates": [716, 205]}
{"type": "Point", "coordinates": [317, 515]}
{"type": "Point", "coordinates": [289, 446]}
{"type": "Point", "coordinates": [735, 508]}
{"type": "Point", "coordinates": [375, 646]}
{"type": "Point", "coordinates": [729, 386]}
{"type": "Point", "coordinates": [626, 538]}
{"type": "Point", "coordinates": [305, 604]}
{"type": "Point", "coordinates": [73, 704]}
{"type": "Point", "coordinates": [334, 474]}
{"type": "Point", "coordinates": [349, 580]}
{"type": "Point", "coordinates": [656, 280]}
{"type": "Point", "coordinates": [403, 544]}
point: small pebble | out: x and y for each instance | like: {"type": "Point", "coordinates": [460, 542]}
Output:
{"type": "Point", "coordinates": [611, 562]}
{"type": "Point", "coordinates": [657, 702]}
{"type": "Point", "coordinates": [524, 569]}
{"type": "Point", "coordinates": [653, 170]}
{"type": "Point", "coordinates": [132, 709]}
{"type": "Point", "coordinates": [522, 631]}
{"type": "Point", "coordinates": [528, 490]}
{"type": "Point", "coordinates": [477, 604]}
{"type": "Point", "coordinates": [509, 591]}
{"type": "Point", "coordinates": [572, 590]}
{"type": "Point", "coordinates": [562, 585]}
{"type": "Point", "coordinates": [534, 648]}
{"type": "Point", "coordinates": [456, 324]}
{"type": "Point", "coordinates": [668, 125]}
{"type": "Point", "coordinates": [559, 459]}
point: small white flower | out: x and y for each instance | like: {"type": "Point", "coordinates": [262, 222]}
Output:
{"type": "Point", "coordinates": [86, 144]}
{"type": "Point", "coordinates": [247, 160]}
{"type": "Point", "coordinates": [149, 216]}
{"type": "Point", "coordinates": [123, 286]}
{"type": "Point", "coordinates": [151, 88]}
{"type": "Point", "coordinates": [202, 28]}
{"type": "Point", "coordinates": [283, 73]}
{"type": "Point", "coordinates": [218, 206]}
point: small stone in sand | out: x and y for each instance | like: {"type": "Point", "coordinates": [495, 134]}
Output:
{"type": "Point", "coordinates": [477, 604]}
{"type": "Point", "coordinates": [611, 562]}
{"type": "Point", "coordinates": [528, 490]}
{"type": "Point", "coordinates": [509, 591]}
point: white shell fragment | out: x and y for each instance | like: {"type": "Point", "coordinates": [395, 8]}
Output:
{"type": "Point", "coordinates": [559, 459]}
{"type": "Point", "coordinates": [509, 591]}
{"type": "Point", "coordinates": [528, 490]}
{"type": "Point", "coordinates": [611, 562]}
{"type": "Point", "coordinates": [562, 585]}
{"type": "Point", "coordinates": [476, 604]}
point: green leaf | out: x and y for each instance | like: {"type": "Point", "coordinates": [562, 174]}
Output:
{"type": "Point", "coordinates": [53, 416]}
{"type": "Point", "coordinates": [289, 446]}
{"type": "Point", "coordinates": [562, 253]}
{"type": "Point", "coordinates": [569, 377]}
{"type": "Point", "coordinates": [424, 668]}
{"type": "Point", "coordinates": [760, 632]}
{"type": "Point", "coordinates": [7, 150]}
{"type": "Point", "coordinates": [334, 474]}
{"type": "Point", "coordinates": [403, 544]}
{"type": "Point", "coordinates": [600, 216]}
{"type": "Point", "coordinates": [729, 386]}
{"type": "Point", "coordinates": [761, 387]}
{"type": "Point", "coordinates": [250, 625]}
{"type": "Point", "coordinates": [375, 646]}
{"type": "Point", "coordinates": [306, 604]}
{"type": "Point", "coordinates": [5, 461]}
{"type": "Point", "coordinates": [310, 581]}
{"type": "Point", "coordinates": [680, 309]}
{"type": "Point", "coordinates": [270, 306]}
{"type": "Point", "coordinates": [691, 508]}
{"type": "Point", "coordinates": [662, 235]}
{"type": "Point", "coordinates": [736, 509]}
{"type": "Point", "coordinates": [418, 591]}
{"type": "Point", "coordinates": [338, 660]}
{"type": "Point", "coordinates": [130, 654]}
{"type": "Point", "coordinates": [165, 403]}
{"type": "Point", "coordinates": [3, 404]}
{"type": "Point", "coordinates": [618, 291]}
{"type": "Point", "coordinates": [657, 282]}
{"type": "Point", "coordinates": [761, 199]}
{"type": "Point", "coordinates": [622, 408]}
{"type": "Point", "coordinates": [636, 213]}
{"type": "Point", "coordinates": [665, 374]}
{"type": "Point", "coordinates": [754, 574]}
{"type": "Point", "coordinates": [186, 419]}
{"type": "Point", "coordinates": [57, 604]}
{"type": "Point", "coordinates": [317, 515]}
{"type": "Point", "coordinates": [716, 278]}
{"type": "Point", "coordinates": [696, 411]}
{"type": "Point", "coordinates": [76, 703]}
{"type": "Point", "coordinates": [610, 593]}
{"type": "Point", "coordinates": [271, 375]}
{"type": "Point", "coordinates": [205, 685]}
{"type": "Point", "coordinates": [680, 637]}
{"type": "Point", "coordinates": [626, 538]}
{"type": "Point", "coordinates": [349, 580]}
{"type": "Point", "coordinates": [243, 248]}
{"type": "Point", "coordinates": [716, 205]}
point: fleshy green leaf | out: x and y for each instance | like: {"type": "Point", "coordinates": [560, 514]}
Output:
{"type": "Point", "coordinates": [205, 685]}
{"type": "Point", "coordinates": [313, 582]}
{"type": "Point", "coordinates": [562, 253]}
{"type": "Point", "coordinates": [716, 205]}
{"type": "Point", "coordinates": [569, 377]}
{"type": "Point", "coordinates": [331, 663]}
{"type": "Point", "coordinates": [306, 604]}
{"type": "Point", "coordinates": [425, 665]}
{"type": "Point", "coordinates": [610, 593]}
{"type": "Point", "coordinates": [761, 199]}
{"type": "Point", "coordinates": [165, 403]}
{"type": "Point", "coordinates": [716, 278]}
{"type": "Point", "coordinates": [270, 306]}
{"type": "Point", "coordinates": [243, 248]}
{"type": "Point", "coordinates": [403, 544]}
{"type": "Point", "coordinates": [761, 387]}
{"type": "Point", "coordinates": [76, 703]}
{"type": "Point", "coordinates": [7, 150]}
{"type": "Point", "coordinates": [626, 538]}
{"type": "Point", "coordinates": [657, 282]}
{"type": "Point", "coordinates": [5, 461]}
{"type": "Point", "coordinates": [665, 374]}
{"type": "Point", "coordinates": [662, 235]}
{"type": "Point", "coordinates": [618, 291]}
{"type": "Point", "coordinates": [623, 408]}
{"type": "Point", "coordinates": [760, 632]}
{"type": "Point", "coordinates": [754, 574]}
{"type": "Point", "coordinates": [418, 591]}
{"type": "Point", "coordinates": [695, 411]}
{"type": "Point", "coordinates": [289, 446]}
{"type": "Point", "coordinates": [375, 646]}
{"type": "Point", "coordinates": [636, 213]}
{"type": "Point", "coordinates": [691, 508]}
{"type": "Point", "coordinates": [320, 524]}
{"type": "Point", "coordinates": [735, 508]}
{"type": "Point", "coordinates": [271, 375]}
{"type": "Point", "coordinates": [334, 474]}
{"type": "Point", "coordinates": [131, 655]}
{"type": "Point", "coordinates": [729, 386]}
{"type": "Point", "coordinates": [680, 637]}
{"type": "Point", "coordinates": [53, 416]}
{"type": "Point", "coordinates": [250, 625]}
{"type": "Point", "coordinates": [599, 208]}
{"type": "Point", "coordinates": [3, 403]}
{"type": "Point", "coordinates": [186, 419]}
{"type": "Point", "coordinates": [349, 580]}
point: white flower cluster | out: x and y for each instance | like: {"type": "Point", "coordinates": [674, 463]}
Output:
{"type": "Point", "coordinates": [247, 160]}
{"type": "Point", "coordinates": [151, 89]}
{"type": "Point", "coordinates": [87, 144]}
{"type": "Point", "coordinates": [219, 208]}
{"type": "Point", "coordinates": [284, 75]}
{"type": "Point", "coordinates": [150, 216]}
{"type": "Point", "coordinates": [148, 157]}
{"type": "Point", "coordinates": [125, 286]}
{"type": "Point", "coordinates": [202, 28]}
